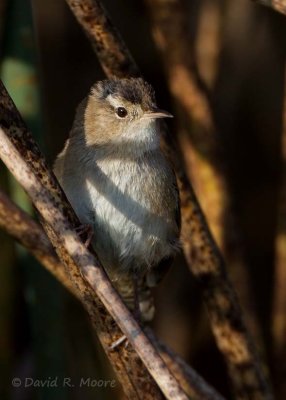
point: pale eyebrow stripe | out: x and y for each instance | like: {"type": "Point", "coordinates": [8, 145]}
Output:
{"type": "Point", "coordinates": [114, 102]}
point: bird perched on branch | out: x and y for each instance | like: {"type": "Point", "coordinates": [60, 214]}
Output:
{"type": "Point", "coordinates": [119, 182]}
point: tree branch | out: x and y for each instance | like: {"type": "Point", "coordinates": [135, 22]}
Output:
{"type": "Point", "coordinates": [203, 256]}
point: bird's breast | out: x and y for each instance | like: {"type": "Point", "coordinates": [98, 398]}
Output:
{"type": "Point", "coordinates": [132, 208]}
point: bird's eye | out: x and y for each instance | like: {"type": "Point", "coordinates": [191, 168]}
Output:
{"type": "Point", "coordinates": [121, 112]}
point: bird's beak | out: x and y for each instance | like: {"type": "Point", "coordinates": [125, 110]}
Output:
{"type": "Point", "coordinates": [157, 113]}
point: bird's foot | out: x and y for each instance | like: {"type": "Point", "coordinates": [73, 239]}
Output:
{"type": "Point", "coordinates": [118, 342]}
{"type": "Point", "coordinates": [85, 231]}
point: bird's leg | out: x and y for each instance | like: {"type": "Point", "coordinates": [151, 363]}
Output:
{"type": "Point", "coordinates": [86, 233]}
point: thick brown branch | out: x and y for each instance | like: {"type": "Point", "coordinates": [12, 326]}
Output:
{"type": "Point", "coordinates": [27, 232]}
{"type": "Point", "coordinates": [22, 156]}
{"type": "Point", "coordinates": [205, 261]}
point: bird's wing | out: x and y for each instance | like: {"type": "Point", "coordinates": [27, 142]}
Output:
{"type": "Point", "coordinates": [157, 272]}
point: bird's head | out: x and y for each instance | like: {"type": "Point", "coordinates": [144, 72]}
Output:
{"type": "Point", "coordinates": [122, 111]}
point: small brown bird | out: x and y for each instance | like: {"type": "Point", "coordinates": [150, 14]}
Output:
{"type": "Point", "coordinates": [119, 182]}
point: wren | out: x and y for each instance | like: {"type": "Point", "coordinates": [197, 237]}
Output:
{"type": "Point", "coordinates": [119, 182]}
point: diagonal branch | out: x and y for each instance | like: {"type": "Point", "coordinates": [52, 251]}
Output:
{"type": "Point", "coordinates": [27, 232]}
{"type": "Point", "coordinates": [205, 261]}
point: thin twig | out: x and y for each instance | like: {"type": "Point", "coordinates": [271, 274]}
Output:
{"type": "Point", "coordinates": [232, 337]}
{"type": "Point", "coordinates": [27, 232]}
{"type": "Point", "coordinates": [21, 155]}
